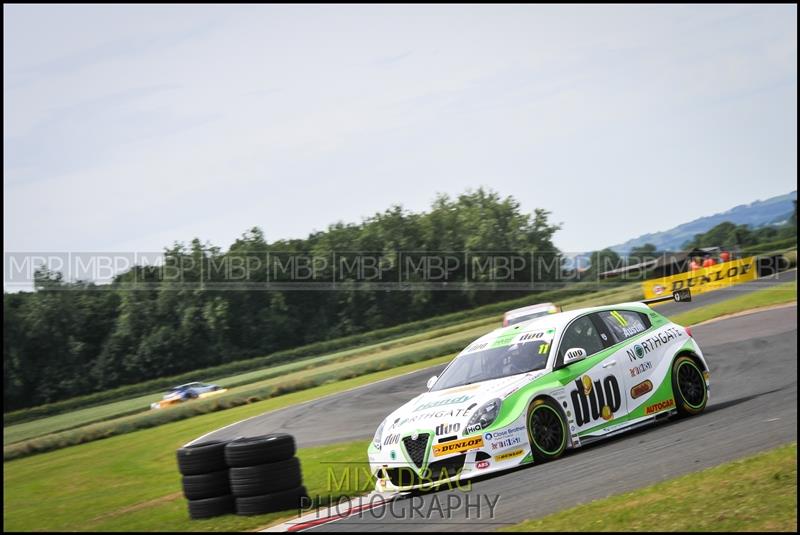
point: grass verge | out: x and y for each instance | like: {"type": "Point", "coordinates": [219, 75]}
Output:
{"type": "Point", "coordinates": [758, 493]}
{"type": "Point", "coordinates": [323, 383]}
{"type": "Point", "coordinates": [254, 386]}
{"type": "Point", "coordinates": [773, 295]}
{"type": "Point", "coordinates": [137, 487]}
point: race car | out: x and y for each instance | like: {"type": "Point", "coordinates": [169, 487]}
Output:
{"type": "Point", "coordinates": [518, 315]}
{"type": "Point", "coordinates": [186, 392]}
{"type": "Point", "coordinates": [527, 392]}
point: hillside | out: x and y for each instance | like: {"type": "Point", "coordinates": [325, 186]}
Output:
{"type": "Point", "coordinates": [771, 211]}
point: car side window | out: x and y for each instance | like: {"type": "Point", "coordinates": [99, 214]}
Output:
{"type": "Point", "coordinates": [581, 333]}
{"type": "Point", "coordinates": [624, 324]}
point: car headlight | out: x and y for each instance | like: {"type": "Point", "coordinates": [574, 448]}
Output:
{"type": "Point", "coordinates": [376, 440]}
{"type": "Point", "coordinates": [485, 415]}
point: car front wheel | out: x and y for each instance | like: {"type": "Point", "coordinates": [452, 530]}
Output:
{"type": "Point", "coordinates": [547, 430]}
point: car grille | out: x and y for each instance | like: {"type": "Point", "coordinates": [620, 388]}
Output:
{"type": "Point", "coordinates": [417, 448]}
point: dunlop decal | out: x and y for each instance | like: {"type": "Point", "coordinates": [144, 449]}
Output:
{"type": "Point", "coordinates": [508, 455]}
{"type": "Point", "coordinates": [457, 446]}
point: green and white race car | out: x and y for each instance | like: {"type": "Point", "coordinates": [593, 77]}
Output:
{"type": "Point", "coordinates": [527, 392]}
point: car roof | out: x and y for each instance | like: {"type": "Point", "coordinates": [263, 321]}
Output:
{"type": "Point", "coordinates": [529, 308]}
{"type": "Point", "coordinates": [560, 320]}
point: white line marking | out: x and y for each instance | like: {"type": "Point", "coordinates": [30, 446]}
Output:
{"type": "Point", "coordinates": [310, 401]}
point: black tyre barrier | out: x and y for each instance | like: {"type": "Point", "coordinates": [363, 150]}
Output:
{"type": "Point", "coordinates": [210, 507]}
{"type": "Point", "coordinates": [201, 486]}
{"type": "Point", "coordinates": [259, 450]}
{"type": "Point", "coordinates": [269, 503]}
{"type": "Point", "coordinates": [202, 458]}
{"type": "Point", "coordinates": [265, 478]}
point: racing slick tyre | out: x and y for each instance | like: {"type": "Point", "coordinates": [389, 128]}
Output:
{"type": "Point", "coordinates": [249, 451]}
{"type": "Point", "coordinates": [269, 503]}
{"type": "Point", "coordinates": [547, 430]}
{"type": "Point", "coordinates": [202, 458]}
{"type": "Point", "coordinates": [688, 386]}
{"type": "Point", "coordinates": [208, 507]}
{"type": "Point", "coordinates": [265, 478]}
{"type": "Point", "coordinates": [202, 486]}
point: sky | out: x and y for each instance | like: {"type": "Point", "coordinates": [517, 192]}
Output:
{"type": "Point", "coordinates": [126, 128]}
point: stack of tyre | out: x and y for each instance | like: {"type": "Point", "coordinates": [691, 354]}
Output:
{"type": "Point", "coordinates": [205, 479]}
{"type": "Point", "coordinates": [264, 474]}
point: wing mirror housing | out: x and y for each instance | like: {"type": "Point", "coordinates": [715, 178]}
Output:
{"type": "Point", "coordinates": [574, 355]}
{"type": "Point", "coordinates": [432, 381]}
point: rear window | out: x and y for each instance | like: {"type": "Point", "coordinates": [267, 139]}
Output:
{"type": "Point", "coordinates": [624, 324]}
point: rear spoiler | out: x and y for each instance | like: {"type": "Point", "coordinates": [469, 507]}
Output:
{"type": "Point", "coordinates": [680, 296]}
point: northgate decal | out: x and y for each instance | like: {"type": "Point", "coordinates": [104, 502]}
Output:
{"type": "Point", "coordinates": [652, 343]}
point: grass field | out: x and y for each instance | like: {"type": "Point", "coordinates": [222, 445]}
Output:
{"type": "Point", "coordinates": [87, 489]}
{"type": "Point", "coordinates": [774, 295]}
{"type": "Point", "coordinates": [758, 493]}
{"type": "Point", "coordinates": [439, 341]}
{"type": "Point", "coordinates": [131, 481]}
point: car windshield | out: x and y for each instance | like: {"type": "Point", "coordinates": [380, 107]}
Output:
{"type": "Point", "coordinates": [495, 362]}
{"type": "Point", "coordinates": [526, 317]}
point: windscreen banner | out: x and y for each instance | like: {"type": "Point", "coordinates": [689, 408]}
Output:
{"type": "Point", "coordinates": [705, 279]}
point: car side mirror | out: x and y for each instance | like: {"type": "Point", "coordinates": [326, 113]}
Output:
{"type": "Point", "coordinates": [574, 355]}
{"type": "Point", "coordinates": [432, 381]}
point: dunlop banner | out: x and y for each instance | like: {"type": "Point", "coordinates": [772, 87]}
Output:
{"type": "Point", "coordinates": [704, 279]}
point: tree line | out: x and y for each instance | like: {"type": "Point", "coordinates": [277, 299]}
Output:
{"type": "Point", "coordinates": [68, 338]}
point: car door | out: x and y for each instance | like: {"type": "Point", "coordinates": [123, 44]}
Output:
{"type": "Point", "coordinates": [639, 364]}
{"type": "Point", "coordinates": [595, 394]}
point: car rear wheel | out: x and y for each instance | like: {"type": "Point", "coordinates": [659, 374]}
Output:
{"type": "Point", "coordinates": [547, 430]}
{"type": "Point", "coordinates": [688, 386]}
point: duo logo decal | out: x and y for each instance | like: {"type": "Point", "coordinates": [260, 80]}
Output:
{"type": "Point", "coordinates": [594, 400]}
